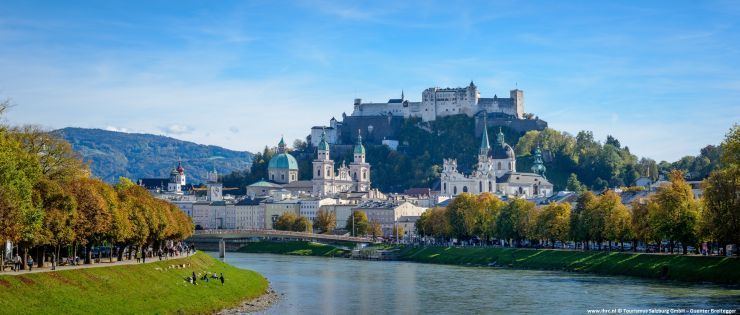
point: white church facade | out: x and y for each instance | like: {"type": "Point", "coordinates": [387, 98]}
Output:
{"type": "Point", "coordinates": [496, 173]}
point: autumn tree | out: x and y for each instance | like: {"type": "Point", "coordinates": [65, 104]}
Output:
{"type": "Point", "coordinates": [374, 229]}
{"type": "Point", "coordinates": [616, 218]}
{"type": "Point", "coordinates": [553, 223]}
{"type": "Point", "coordinates": [640, 223]}
{"type": "Point", "coordinates": [60, 214]}
{"type": "Point", "coordinates": [326, 221]}
{"type": "Point", "coordinates": [302, 224]}
{"type": "Point", "coordinates": [94, 216]}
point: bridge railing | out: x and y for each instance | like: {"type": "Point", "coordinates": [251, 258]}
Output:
{"type": "Point", "coordinates": [260, 232]}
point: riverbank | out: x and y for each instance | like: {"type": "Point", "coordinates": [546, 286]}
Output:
{"type": "Point", "coordinates": [297, 248]}
{"type": "Point", "coordinates": [157, 287]}
{"type": "Point", "coordinates": [724, 270]}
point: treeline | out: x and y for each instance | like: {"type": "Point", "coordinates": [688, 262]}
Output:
{"type": "Point", "coordinates": [49, 202]}
{"type": "Point", "coordinates": [671, 214]}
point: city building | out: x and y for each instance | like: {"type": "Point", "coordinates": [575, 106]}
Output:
{"type": "Point", "coordinates": [282, 168]}
{"type": "Point", "coordinates": [496, 173]}
{"type": "Point", "coordinates": [388, 213]}
{"type": "Point", "coordinates": [327, 181]}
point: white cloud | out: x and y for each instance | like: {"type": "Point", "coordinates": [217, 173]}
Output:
{"type": "Point", "coordinates": [117, 129]}
{"type": "Point", "coordinates": [176, 129]}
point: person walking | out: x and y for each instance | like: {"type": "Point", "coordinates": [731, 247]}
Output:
{"type": "Point", "coordinates": [222, 279]}
{"type": "Point", "coordinates": [30, 263]}
{"type": "Point", "coordinates": [17, 263]}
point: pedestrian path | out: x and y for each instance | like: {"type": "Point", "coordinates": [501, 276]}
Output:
{"type": "Point", "coordinates": [102, 263]}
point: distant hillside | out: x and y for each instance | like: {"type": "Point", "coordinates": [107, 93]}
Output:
{"type": "Point", "coordinates": [113, 154]}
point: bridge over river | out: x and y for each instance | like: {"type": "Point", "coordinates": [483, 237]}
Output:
{"type": "Point", "coordinates": [233, 239]}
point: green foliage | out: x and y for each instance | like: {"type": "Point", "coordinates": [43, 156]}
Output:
{"type": "Point", "coordinates": [553, 223]}
{"type": "Point", "coordinates": [675, 213]}
{"type": "Point", "coordinates": [113, 154]}
{"type": "Point", "coordinates": [514, 221]}
{"type": "Point", "coordinates": [152, 288]}
{"type": "Point", "coordinates": [357, 223]}
{"type": "Point", "coordinates": [722, 194]}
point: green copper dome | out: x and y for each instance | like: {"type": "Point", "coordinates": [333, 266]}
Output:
{"type": "Point", "coordinates": [359, 148]}
{"type": "Point", "coordinates": [538, 167]}
{"type": "Point", "coordinates": [323, 145]}
{"type": "Point", "coordinates": [283, 161]}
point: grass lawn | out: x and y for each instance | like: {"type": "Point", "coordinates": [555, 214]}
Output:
{"type": "Point", "coordinates": [683, 268]}
{"type": "Point", "coordinates": [299, 248]}
{"type": "Point", "coordinates": [151, 288]}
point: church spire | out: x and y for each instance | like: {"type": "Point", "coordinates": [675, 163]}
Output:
{"type": "Point", "coordinates": [281, 145]}
{"type": "Point", "coordinates": [500, 137]}
{"type": "Point", "coordinates": [359, 148]}
{"type": "Point", "coordinates": [402, 97]}
{"type": "Point", "coordinates": [538, 167]}
{"type": "Point", "coordinates": [485, 145]}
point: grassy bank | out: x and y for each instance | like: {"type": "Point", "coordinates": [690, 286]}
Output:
{"type": "Point", "coordinates": [683, 268]}
{"type": "Point", "coordinates": [298, 248]}
{"type": "Point", "coordinates": [152, 288]}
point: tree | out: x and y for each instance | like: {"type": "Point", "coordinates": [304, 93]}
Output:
{"type": "Point", "coordinates": [357, 223]}
{"type": "Point", "coordinates": [721, 200]}
{"type": "Point", "coordinates": [676, 214]}
{"type": "Point", "coordinates": [326, 221]}
{"type": "Point", "coordinates": [579, 219]}
{"type": "Point", "coordinates": [375, 229]}
{"type": "Point", "coordinates": [302, 224]}
{"type": "Point", "coordinates": [20, 219]}
{"type": "Point", "coordinates": [94, 216]}
{"type": "Point", "coordinates": [55, 155]}
{"type": "Point", "coordinates": [466, 216]}
{"type": "Point", "coordinates": [491, 206]}
{"type": "Point", "coordinates": [640, 222]}
{"type": "Point", "coordinates": [514, 220]}
{"type": "Point", "coordinates": [286, 221]}
{"type": "Point", "coordinates": [575, 185]}
{"type": "Point", "coordinates": [618, 223]}
{"type": "Point", "coordinates": [553, 223]}
{"type": "Point", "coordinates": [593, 218]}
{"type": "Point", "coordinates": [397, 232]}
{"type": "Point", "coordinates": [60, 214]}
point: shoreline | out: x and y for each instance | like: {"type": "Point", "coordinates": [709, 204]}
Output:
{"type": "Point", "coordinates": [260, 303]}
{"type": "Point", "coordinates": [686, 269]}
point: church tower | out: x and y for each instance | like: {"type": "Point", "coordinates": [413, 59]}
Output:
{"type": "Point", "coordinates": [538, 167]}
{"type": "Point", "coordinates": [359, 168]}
{"type": "Point", "coordinates": [323, 169]}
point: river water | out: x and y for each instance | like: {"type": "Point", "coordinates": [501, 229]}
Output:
{"type": "Point", "coordinates": [315, 285]}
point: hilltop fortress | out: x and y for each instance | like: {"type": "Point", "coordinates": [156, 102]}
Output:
{"type": "Point", "coordinates": [440, 102]}
{"type": "Point", "coordinates": [380, 122]}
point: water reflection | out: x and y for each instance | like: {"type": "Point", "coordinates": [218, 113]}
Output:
{"type": "Point", "coordinates": [314, 285]}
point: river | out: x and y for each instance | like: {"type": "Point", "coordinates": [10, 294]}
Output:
{"type": "Point", "coordinates": [315, 285]}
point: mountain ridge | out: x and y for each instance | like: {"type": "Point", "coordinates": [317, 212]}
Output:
{"type": "Point", "coordinates": [141, 155]}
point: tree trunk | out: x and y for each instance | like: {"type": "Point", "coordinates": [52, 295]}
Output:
{"type": "Point", "coordinates": [43, 256]}
{"type": "Point", "coordinates": [121, 249]}
{"type": "Point", "coordinates": [23, 258]}
{"type": "Point", "coordinates": [88, 254]}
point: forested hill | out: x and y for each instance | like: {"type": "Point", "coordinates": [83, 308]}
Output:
{"type": "Point", "coordinates": [574, 162]}
{"type": "Point", "coordinates": [133, 155]}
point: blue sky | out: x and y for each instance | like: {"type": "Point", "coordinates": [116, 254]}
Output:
{"type": "Point", "coordinates": [661, 76]}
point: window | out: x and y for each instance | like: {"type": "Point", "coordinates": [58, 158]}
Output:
{"type": "Point", "coordinates": [272, 176]}
{"type": "Point", "coordinates": [490, 186]}
{"type": "Point", "coordinates": [480, 186]}
{"type": "Point", "coordinates": [499, 166]}
{"type": "Point", "coordinates": [454, 190]}
{"type": "Point", "coordinates": [318, 173]}
{"type": "Point", "coordinates": [444, 187]}
{"type": "Point", "coordinates": [465, 188]}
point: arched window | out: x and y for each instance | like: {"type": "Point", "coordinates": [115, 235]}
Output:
{"type": "Point", "coordinates": [328, 171]}
{"type": "Point", "coordinates": [454, 190]}
{"type": "Point", "coordinates": [318, 173]}
{"type": "Point", "coordinates": [354, 176]}
{"type": "Point", "coordinates": [364, 175]}
{"type": "Point", "coordinates": [499, 166]}
{"type": "Point", "coordinates": [444, 187]}
{"type": "Point", "coordinates": [480, 186]}
{"type": "Point", "coordinates": [465, 188]}
{"type": "Point", "coordinates": [282, 176]}
{"type": "Point", "coordinates": [490, 186]}
{"type": "Point", "coordinates": [272, 176]}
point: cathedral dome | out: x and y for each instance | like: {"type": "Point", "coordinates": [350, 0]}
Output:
{"type": "Point", "coordinates": [501, 150]}
{"type": "Point", "coordinates": [283, 161]}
